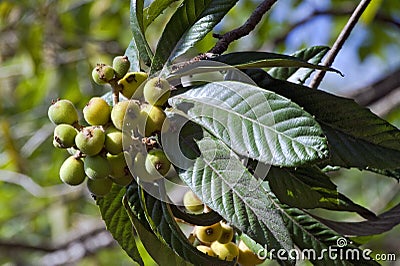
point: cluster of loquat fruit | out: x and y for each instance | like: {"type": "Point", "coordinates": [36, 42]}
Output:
{"type": "Point", "coordinates": [217, 240]}
{"type": "Point", "coordinates": [99, 156]}
{"type": "Point", "coordinates": [96, 145]}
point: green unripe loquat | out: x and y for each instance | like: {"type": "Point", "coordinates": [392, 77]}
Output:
{"type": "Point", "coordinates": [228, 251]}
{"type": "Point", "coordinates": [97, 111]}
{"type": "Point", "coordinates": [99, 187]}
{"type": "Point", "coordinates": [227, 233]}
{"type": "Point", "coordinates": [132, 145]}
{"type": "Point", "coordinates": [113, 141]}
{"type": "Point", "coordinates": [72, 171]}
{"type": "Point", "coordinates": [102, 74]}
{"type": "Point", "coordinates": [192, 203]}
{"type": "Point", "coordinates": [127, 112]}
{"type": "Point", "coordinates": [133, 115]}
{"type": "Point", "coordinates": [140, 171]}
{"type": "Point", "coordinates": [120, 173]}
{"type": "Point", "coordinates": [121, 65]}
{"type": "Point", "coordinates": [108, 73]}
{"type": "Point", "coordinates": [122, 181]}
{"type": "Point", "coordinates": [130, 82]}
{"type": "Point", "coordinates": [156, 91]}
{"type": "Point", "coordinates": [157, 163]}
{"type": "Point", "coordinates": [96, 76]}
{"type": "Point", "coordinates": [96, 167]}
{"type": "Point", "coordinates": [63, 112]}
{"type": "Point", "coordinates": [90, 140]}
{"type": "Point", "coordinates": [152, 119]}
{"type": "Point", "coordinates": [118, 113]}
{"type": "Point", "coordinates": [64, 136]}
{"type": "Point", "coordinates": [208, 234]}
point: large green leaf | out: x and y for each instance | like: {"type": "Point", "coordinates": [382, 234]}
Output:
{"type": "Point", "coordinates": [244, 60]}
{"type": "Point", "coordinates": [210, 17]}
{"type": "Point", "coordinates": [356, 136]}
{"type": "Point", "coordinates": [255, 123]}
{"type": "Point", "coordinates": [222, 182]}
{"type": "Point", "coordinates": [310, 188]}
{"type": "Point", "coordinates": [157, 249]}
{"type": "Point", "coordinates": [155, 9]}
{"type": "Point", "coordinates": [316, 240]}
{"type": "Point", "coordinates": [137, 12]}
{"type": "Point", "coordinates": [164, 225]}
{"type": "Point", "coordinates": [311, 55]}
{"type": "Point", "coordinates": [132, 52]}
{"type": "Point", "coordinates": [136, 23]}
{"type": "Point", "coordinates": [184, 18]}
{"type": "Point", "coordinates": [118, 222]}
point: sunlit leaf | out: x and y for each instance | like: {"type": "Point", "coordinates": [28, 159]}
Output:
{"type": "Point", "coordinates": [156, 8]}
{"type": "Point", "coordinates": [255, 123]}
{"type": "Point", "coordinates": [185, 16]}
{"type": "Point", "coordinates": [133, 54]}
{"type": "Point", "coordinates": [210, 17]}
{"type": "Point", "coordinates": [136, 23]}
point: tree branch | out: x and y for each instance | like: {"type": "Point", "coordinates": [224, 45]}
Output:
{"type": "Point", "coordinates": [77, 250]}
{"type": "Point", "coordinates": [226, 39]}
{"type": "Point", "coordinates": [81, 245]}
{"type": "Point", "coordinates": [337, 46]}
{"type": "Point", "coordinates": [330, 12]}
{"type": "Point", "coordinates": [74, 237]}
{"type": "Point", "coordinates": [387, 104]}
{"type": "Point", "coordinates": [378, 90]}
{"type": "Point", "coordinates": [382, 96]}
{"type": "Point", "coordinates": [35, 189]}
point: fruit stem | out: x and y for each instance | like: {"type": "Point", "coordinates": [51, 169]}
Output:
{"type": "Point", "coordinates": [77, 126]}
{"type": "Point", "coordinates": [115, 90]}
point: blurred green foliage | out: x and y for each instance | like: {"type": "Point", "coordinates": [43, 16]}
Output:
{"type": "Point", "coordinates": [47, 51]}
